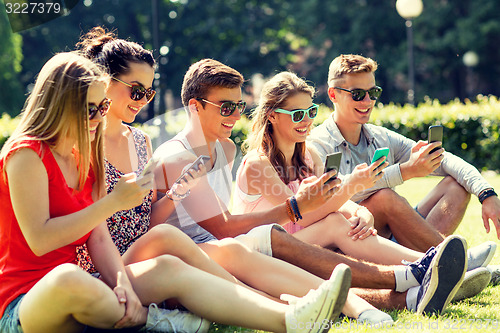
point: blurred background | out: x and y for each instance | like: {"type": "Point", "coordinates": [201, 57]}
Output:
{"type": "Point", "coordinates": [454, 47]}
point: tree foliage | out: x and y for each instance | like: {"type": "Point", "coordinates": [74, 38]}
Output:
{"type": "Point", "coordinates": [265, 37]}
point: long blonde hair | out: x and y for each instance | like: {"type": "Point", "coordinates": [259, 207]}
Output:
{"type": "Point", "coordinates": [273, 96]}
{"type": "Point", "coordinates": [57, 107]}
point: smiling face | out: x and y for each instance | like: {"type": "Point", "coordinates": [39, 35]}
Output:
{"type": "Point", "coordinates": [95, 95]}
{"type": "Point", "coordinates": [214, 125]}
{"type": "Point", "coordinates": [285, 130]}
{"type": "Point", "coordinates": [347, 111]}
{"type": "Point", "coordinates": [123, 107]}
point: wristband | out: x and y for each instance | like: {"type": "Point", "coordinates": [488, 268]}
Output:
{"type": "Point", "coordinates": [295, 208]}
{"type": "Point", "coordinates": [170, 194]}
{"type": "Point", "coordinates": [289, 211]}
{"type": "Point", "coordinates": [486, 194]}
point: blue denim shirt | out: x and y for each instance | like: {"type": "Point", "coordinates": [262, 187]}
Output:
{"type": "Point", "coordinates": [326, 139]}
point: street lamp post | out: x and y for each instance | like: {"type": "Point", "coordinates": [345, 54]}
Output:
{"type": "Point", "coordinates": [409, 9]}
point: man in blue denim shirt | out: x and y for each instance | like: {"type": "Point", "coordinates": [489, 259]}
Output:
{"type": "Point", "coordinates": [352, 90]}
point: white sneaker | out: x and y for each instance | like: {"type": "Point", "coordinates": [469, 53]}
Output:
{"type": "Point", "coordinates": [474, 282]}
{"type": "Point", "coordinates": [316, 311]}
{"type": "Point", "coordinates": [164, 320]}
{"type": "Point", "coordinates": [480, 255]}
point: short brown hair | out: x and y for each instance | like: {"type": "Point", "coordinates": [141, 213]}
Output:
{"type": "Point", "coordinates": [206, 74]}
{"type": "Point", "coordinates": [349, 64]}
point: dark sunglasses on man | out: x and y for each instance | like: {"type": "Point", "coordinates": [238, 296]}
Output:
{"type": "Point", "coordinates": [137, 91]}
{"type": "Point", "coordinates": [227, 108]}
{"type": "Point", "coordinates": [359, 94]}
{"type": "Point", "coordinates": [103, 108]}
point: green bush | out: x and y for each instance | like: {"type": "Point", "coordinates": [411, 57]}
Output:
{"type": "Point", "coordinates": [471, 128]}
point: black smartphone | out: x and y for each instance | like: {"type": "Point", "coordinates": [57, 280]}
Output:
{"type": "Point", "coordinates": [199, 159]}
{"type": "Point", "coordinates": [332, 162]}
{"type": "Point", "coordinates": [435, 134]}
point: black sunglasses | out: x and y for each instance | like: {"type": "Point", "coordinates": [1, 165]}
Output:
{"type": "Point", "coordinates": [359, 94]}
{"type": "Point", "coordinates": [103, 108]}
{"type": "Point", "coordinates": [137, 92]}
{"type": "Point", "coordinates": [227, 108]}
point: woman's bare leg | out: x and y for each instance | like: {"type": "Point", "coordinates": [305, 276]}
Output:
{"type": "Point", "coordinates": [167, 239]}
{"type": "Point", "coordinates": [204, 294]}
{"type": "Point", "coordinates": [66, 299]}
{"type": "Point", "coordinates": [332, 231]}
{"type": "Point", "coordinates": [259, 271]}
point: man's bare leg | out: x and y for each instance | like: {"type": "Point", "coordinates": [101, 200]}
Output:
{"type": "Point", "coordinates": [444, 207]}
{"type": "Point", "coordinates": [383, 298]}
{"type": "Point", "coordinates": [394, 215]}
{"type": "Point", "coordinates": [321, 262]}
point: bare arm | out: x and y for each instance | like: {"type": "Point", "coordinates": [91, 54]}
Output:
{"type": "Point", "coordinates": [108, 262]}
{"type": "Point", "coordinates": [29, 189]}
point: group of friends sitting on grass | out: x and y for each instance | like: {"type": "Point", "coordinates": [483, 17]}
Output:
{"type": "Point", "coordinates": [301, 246]}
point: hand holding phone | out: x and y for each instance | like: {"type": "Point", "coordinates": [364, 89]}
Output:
{"type": "Point", "coordinates": [332, 162]}
{"type": "Point", "coordinates": [149, 168]}
{"type": "Point", "coordinates": [435, 134]}
{"type": "Point", "coordinates": [200, 159]}
{"type": "Point", "coordinates": [379, 153]}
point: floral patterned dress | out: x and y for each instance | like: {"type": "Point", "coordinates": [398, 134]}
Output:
{"type": "Point", "coordinates": [125, 226]}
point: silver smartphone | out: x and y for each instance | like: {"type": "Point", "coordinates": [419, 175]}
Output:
{"type": "Point", "coordinates": [199, 159]}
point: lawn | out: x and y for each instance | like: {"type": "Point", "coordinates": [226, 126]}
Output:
{"type": "Point", "coordinates": [477, 314]}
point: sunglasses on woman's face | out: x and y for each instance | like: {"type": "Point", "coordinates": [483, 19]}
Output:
{"type": "Point", "coordinates": [359, 94]}
{"type": "Point", "coordinates": [299, 114]}
{"type": "Point", "coordinates": [137, 92]}
{"type": "Point", "coordinates": [103, 108]}
{"type": "Point", "coordinates": [227, 108]}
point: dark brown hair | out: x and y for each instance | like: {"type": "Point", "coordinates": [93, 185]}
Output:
{"type": "Point", "coordinates": [206, 74]}
{"type": "Point", "coordinates": [112, 53]}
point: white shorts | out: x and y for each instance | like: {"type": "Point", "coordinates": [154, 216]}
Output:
{"type": "Point", "coordinates": [259, 238]}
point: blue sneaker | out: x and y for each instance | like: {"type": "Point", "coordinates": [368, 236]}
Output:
{"type": "Point", "coordinates": [444, 276]}
{"type": "Point", "coordinates": [420, 267]}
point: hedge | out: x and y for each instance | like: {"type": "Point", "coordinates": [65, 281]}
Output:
{"type": "Point", "coordinates": [471, 129]}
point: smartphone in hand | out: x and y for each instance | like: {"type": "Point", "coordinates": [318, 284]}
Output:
{"type": "Point", "coordinates": [199, 159]}
{"type": "Point", "coordinates": [332, 162]}
{"type": "Point", "coordinates": [150, 167]}
{"type": "Point", "coordinates": [435, 134]}
{"type": "Point", "coordinates": [379, 153]}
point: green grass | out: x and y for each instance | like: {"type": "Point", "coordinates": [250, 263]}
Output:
{"type": "Point", "coordinates": [478, 314]}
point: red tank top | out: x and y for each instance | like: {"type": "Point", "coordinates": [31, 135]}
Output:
{"type": "Point", "coordinates": [20, 268]}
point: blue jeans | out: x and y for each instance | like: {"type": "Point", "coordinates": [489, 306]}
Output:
{"type": "Point", "coordinates": [9, 323]}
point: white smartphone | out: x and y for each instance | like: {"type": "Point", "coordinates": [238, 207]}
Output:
{"type": "Point", "coordinates": [199, 159]}
{"type": "Point", "coordinates": [150, 167]}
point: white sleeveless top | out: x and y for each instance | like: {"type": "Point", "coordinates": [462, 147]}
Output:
{"type": "Point", "coordinates": [219, 179]}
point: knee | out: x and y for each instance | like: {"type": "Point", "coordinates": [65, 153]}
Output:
{"type": "Point", "coordinates": [71, 282]}
{"type": "Point", "coordinates": [167, 265]}
{"type": "Point", "coordinates": [458, 191]}
{"type": "Point", "coordinates": [333, 225]}
{"type": "Point", "coordinates": [231, 250]}
{"type": "Point", "coordinates": [384, 198]}
{"type": "Point", "coordinates": [164, 233]}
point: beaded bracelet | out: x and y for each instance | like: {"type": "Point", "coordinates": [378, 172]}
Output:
{"type": "Point", "coordinates": [486, 194]}
{"type": "Point", "coordinates": [289, 210]}
{"type": "Point", "coordinates": [295, 208]}
{"type": "Point", "coordinates": [179, 197]}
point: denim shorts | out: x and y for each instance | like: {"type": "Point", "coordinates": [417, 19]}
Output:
{"type": "Point", "coordinates": [10, 320]}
